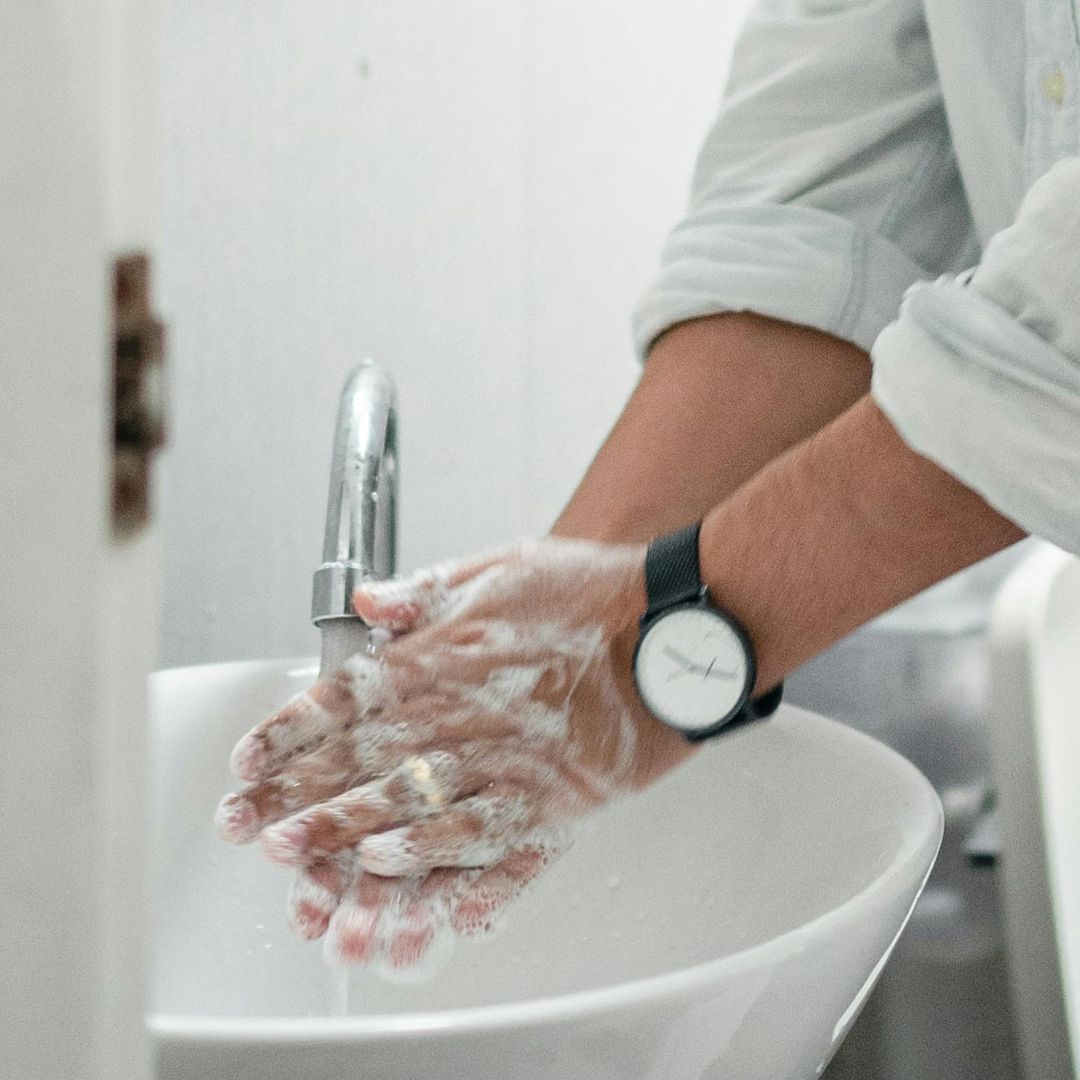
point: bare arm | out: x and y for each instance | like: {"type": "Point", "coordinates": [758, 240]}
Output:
{"type": "Point", "coordinates": [819, 517]}
{"type": "Point", "coordinates": [840, 528]}
{"type": "Point", "coordinates": [720, 397]}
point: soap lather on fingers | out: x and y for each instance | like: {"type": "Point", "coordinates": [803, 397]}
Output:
{"type": "Point", "coordinates": [499, 714]}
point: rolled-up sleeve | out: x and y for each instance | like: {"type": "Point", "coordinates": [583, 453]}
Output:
{"type": "Point", "coordinates": [980, 372]}
{"type": "Point", "coordinates": [826, 185]}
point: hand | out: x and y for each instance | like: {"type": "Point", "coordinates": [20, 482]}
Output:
{"type": "Point", "coordinates": [393, 922]}
{"type": "Point", "coordinates": [506, 707]}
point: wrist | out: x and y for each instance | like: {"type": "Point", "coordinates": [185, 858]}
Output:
{"type": "Point", "coordinates": [693, 665]}
{"type": "Point", "coordinates": [839, 529]}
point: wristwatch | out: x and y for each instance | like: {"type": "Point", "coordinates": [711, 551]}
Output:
{"type": "Point", "coordinates": [694, 665]}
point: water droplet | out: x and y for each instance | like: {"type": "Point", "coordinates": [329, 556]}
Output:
{"type": "Point", "coordinates": [268, 945]}
{"type": "Point", "coordinates": [259, 927]}
{"type": "Point", "coordinates": [613, 881]}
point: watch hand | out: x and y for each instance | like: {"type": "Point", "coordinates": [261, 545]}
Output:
{"type": "Point", "coordinates": [670, 650]}
{"type": "Point", "coordinates": [695, 669]}
{"type": "Point", "coordinates": [719, 674]}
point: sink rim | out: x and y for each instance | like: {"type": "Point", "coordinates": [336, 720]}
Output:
{"type": "Point", "coordinates": [180, 1027]}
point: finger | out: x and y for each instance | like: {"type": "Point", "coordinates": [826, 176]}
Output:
{"type": "Point", "coordinates": [484, 899]}
{"type": "Point", "coordinates": [389, 920]}
{"type": "Point", "coordinates": [360, 689]}
{"type": "Point", "coordinates": [316, 893]}
{"type": "Point", "coordinates": [477, 831]}
{"type": "Point", "coordinates": [405, 604]}
{"type": "Point", "coordinates": [492, 664]}
{"type": "Point", "coordinates": [352, 933]}
{"type": "Point", "coordinates": [313, 778]}
{"type": "Point", "coordinates": [416, 788]}
{"type": "Point", "coordinates": [409, 930]}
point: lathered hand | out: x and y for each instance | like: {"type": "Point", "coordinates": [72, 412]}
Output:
{"type": "Point", "coordinates": [502, 712]}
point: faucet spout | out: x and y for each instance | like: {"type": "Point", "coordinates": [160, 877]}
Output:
{"type": "Point", "coordinates": [360, 542]}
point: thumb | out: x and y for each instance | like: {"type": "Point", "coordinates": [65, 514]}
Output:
{"type": "Point", "coordinates": [404, 604]}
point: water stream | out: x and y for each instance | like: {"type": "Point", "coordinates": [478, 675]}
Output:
{"type": "Point", "coordinates": [342, 638]}
{"type": "Point", "coordinates": [338, 980]}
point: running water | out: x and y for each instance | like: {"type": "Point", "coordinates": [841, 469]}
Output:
{"type": "Point", "coordinates": [338, 1004]}
{"type": "Point", "coordinates": [342, 638]}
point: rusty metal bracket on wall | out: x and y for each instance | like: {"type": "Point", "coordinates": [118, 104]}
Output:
{"type": "Point", "coordinates": [139, 392]}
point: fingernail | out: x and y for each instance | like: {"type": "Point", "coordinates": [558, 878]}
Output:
{"type": "Point", "coordinates": [236, 819]}
{"type": "Point", "coordinates": [285, 844]}
{"type": "Point", "coordinates": [386, 588]}
{"type": "Point", "coordinates": [390, 603]}
{"type": "Point", "coordinates": [390, 615]}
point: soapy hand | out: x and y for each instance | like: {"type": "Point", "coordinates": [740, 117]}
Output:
{"type": "Point", "coordinates": [391, 923]}
{"type": "Point", "coordinates": [428, 785]}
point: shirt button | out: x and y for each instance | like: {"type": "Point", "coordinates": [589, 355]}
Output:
{"type": "Point", "coordinates": [1053, 85]}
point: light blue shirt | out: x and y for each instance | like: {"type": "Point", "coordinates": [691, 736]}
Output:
{"type": "Point", "coordinates": [904, 174]}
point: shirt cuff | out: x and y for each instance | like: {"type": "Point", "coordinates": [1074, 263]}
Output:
{"type": "Point", "coordinates": [795, 263]}
{"type": "Point", "coordinates": [989, 401]}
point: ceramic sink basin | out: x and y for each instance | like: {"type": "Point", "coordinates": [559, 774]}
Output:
{"type": "Point", "coordinates": [727, 923]}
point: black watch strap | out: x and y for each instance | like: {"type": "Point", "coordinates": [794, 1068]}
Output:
{"type": "Point", "coordinates": [672, 569]}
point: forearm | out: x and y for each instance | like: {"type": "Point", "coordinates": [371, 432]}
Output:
{"type": "Point", "coordinates": [837, 530]}
{"type": "Point", "coordinates": [719, 398]}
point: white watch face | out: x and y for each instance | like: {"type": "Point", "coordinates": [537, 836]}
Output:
{"type": "Point", "coordinates": [691, 668]}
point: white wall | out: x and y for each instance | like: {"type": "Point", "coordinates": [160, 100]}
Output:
{"type": "Point", "coordinates": [473, 192]}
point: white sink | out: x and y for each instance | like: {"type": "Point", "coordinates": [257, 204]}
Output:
{"type": "Point", "coordinates": [727, 923]}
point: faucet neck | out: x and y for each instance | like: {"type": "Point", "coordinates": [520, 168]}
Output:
{"type": "Point", "coordinates": [360, 541]}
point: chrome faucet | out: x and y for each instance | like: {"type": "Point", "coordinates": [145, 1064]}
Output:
{"type": "Point", "coordinates": [360, 542]}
